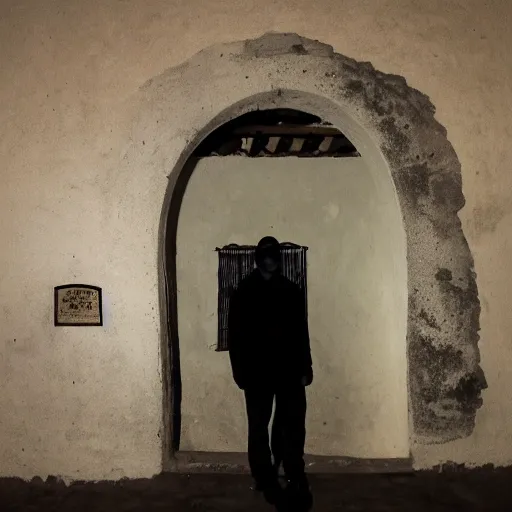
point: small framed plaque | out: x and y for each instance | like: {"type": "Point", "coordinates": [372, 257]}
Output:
{"type": "Point", "coordinates": [78, 304]}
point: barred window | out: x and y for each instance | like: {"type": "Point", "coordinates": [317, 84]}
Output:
{"type": "Point", "coordinates": [237, 262]}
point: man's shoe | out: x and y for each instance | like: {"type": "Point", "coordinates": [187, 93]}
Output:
{"type": "Point", "coordinates": [299, 494]}
{"type": "Point", "coordinates": [274, 494]}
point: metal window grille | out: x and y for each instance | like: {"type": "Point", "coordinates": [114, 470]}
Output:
{"type": "Point", "coordinates": [237, 262]}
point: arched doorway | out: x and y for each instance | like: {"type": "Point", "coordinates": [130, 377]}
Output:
{"type": "Point", "coordinates": [324, 195]}
{"type": "Point", "coordinates": [393, 127]}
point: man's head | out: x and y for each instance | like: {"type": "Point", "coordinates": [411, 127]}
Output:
{"type": "Point", "coordinates": [268, 256]}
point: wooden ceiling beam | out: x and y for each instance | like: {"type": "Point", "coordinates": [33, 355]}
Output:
{"type": "Point", "coordinates": [302, 131]}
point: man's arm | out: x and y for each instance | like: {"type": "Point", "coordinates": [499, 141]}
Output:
{"type": "Point", "coordinates": [303, 334]}
{"type": "Point", "coordinates": [234, 338]}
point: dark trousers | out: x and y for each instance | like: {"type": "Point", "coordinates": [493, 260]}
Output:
{"type": "Point", "coordinates": [288, 435]}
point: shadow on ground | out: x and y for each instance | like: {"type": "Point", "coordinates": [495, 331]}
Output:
{"type": "Point", "coordinates": [458, 491]}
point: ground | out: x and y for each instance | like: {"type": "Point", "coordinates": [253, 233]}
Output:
{"type": "Point", "coordinates": [488, 490]}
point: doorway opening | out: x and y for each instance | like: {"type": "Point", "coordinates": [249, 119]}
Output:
{"type": "Point", "coordinates": [294, 175]}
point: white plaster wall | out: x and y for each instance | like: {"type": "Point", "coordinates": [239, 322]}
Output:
{"type": "Point", "coordinates": [357, 296]}
{"type": "Point", "coordinates": [68, 72]}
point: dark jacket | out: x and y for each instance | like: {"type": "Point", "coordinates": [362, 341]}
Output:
{"type": "Point", "coordinates": [268, 332]}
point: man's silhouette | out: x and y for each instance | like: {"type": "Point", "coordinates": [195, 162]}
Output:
{"type": "Point", "coordinates": [271, 358]}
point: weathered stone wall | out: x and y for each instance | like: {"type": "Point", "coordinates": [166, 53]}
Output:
{"type": "Point", "coordinates": [444, 309]}
{"type": "Point", "coordinates": [82, 195]}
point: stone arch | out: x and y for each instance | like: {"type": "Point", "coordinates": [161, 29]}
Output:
{"type": "Point", "coordinates": [394, 126]}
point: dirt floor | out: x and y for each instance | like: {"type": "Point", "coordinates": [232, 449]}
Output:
{"type": "Point", "coordinates": [455, 491]}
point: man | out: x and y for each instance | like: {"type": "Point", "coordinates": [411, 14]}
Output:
{"type": "Point", "coordinates": [271, 358]}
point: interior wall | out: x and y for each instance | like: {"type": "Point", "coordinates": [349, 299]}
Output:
{"type": "Point", "coordinates": [81, 198]}
{"type": "Point", "coordinates": [357, 296]}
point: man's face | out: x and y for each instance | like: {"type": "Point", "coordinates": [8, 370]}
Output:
{"type": "Point", "coordinates": [269, 262]}
{"type": "Point", "coordinates": [270, 265]}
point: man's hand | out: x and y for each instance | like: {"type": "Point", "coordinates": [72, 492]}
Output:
{"type": "Point", "coordinates": [308, 378]}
